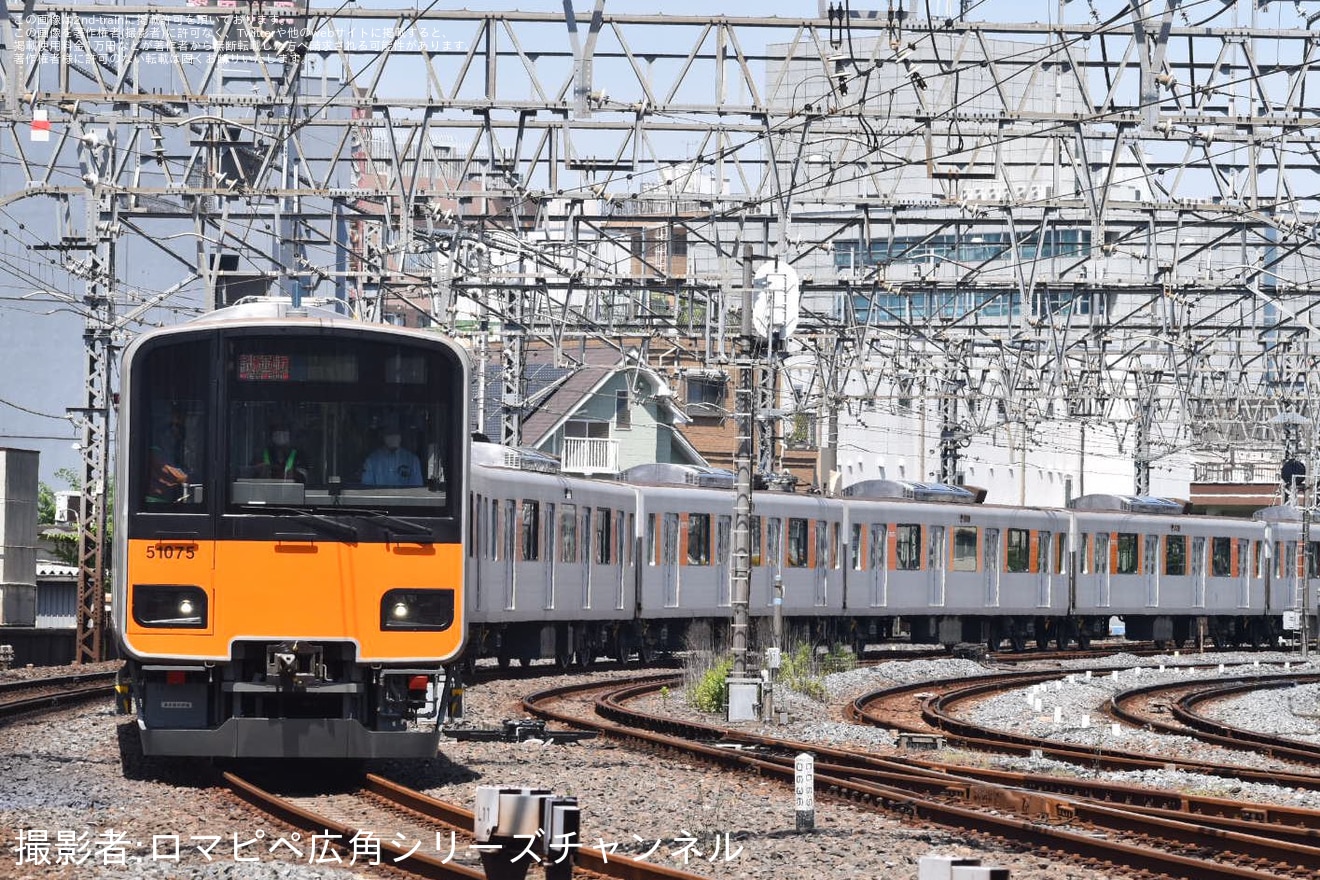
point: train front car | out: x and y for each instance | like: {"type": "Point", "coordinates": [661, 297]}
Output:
{"type": "Point", "coordinates": [288, 567]}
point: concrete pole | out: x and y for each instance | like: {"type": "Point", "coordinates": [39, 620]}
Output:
{"type": "Point", "coordinates": [741, 572]}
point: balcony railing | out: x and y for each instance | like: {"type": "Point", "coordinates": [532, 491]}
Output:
{"type": "Point", "coordinates": [1241, 472]}
{"type": "Point", "coordinates": [590, 455]}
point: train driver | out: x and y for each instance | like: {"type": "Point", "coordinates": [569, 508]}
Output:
{"type": "Point", "coordinates": [167, 480]}
{"type": "Point", "coordinates": [280, 460]}
{"type": "Point", "coordinates": [391, 464]}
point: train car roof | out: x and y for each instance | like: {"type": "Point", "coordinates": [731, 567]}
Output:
{"type": "Point", "coordinates": [276, 308]}
{"type": "Point", "coordinates": [669, 474]}
{"type": "Point", "coordinates": [910, 491]}
{"type": "Point", "coordinates": [1278, 513]}
{"type": "Point", "coordinates": [1130, 504]}
{"type": "Point", "coordinates": [518, 458]}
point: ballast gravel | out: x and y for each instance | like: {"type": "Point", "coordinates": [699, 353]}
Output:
{"type": "Point", "coordinates": [70, 806]}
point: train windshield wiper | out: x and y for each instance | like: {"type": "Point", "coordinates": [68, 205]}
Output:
{"type": "Point", "coordinates": [323, 524]}
{"type": "Point", "coordinates": [395, 524]}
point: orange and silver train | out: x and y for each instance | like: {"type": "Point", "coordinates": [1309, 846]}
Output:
{"type": "Point", "coordinates": [288, 577]}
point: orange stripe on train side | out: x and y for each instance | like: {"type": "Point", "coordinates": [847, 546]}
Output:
{"type": "Point", "coordinates": [301, 590]}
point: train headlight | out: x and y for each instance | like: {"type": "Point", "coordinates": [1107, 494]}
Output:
{"type": "Point", "coordinates": [416, 609]}
{"type": "Point", "coordinates": [168, 605]}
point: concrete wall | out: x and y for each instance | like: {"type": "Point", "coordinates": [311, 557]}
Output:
{"type": "Point", "coordinates": [18, 537]}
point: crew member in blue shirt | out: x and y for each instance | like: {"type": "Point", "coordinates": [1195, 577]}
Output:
{"type": "Point", "coordinates": [391, 464]}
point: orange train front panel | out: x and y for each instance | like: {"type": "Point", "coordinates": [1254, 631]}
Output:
{"type": "Point", "coordinates": [295, 590]}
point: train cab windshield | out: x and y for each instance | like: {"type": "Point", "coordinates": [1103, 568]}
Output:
{"type": "Point", "coordinates": [304, 422]}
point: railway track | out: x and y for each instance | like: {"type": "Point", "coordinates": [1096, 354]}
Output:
{"type": "Point", "coordinates": [44, 694]}
{"type": "Point", "coordinates": [1139, 830]}
{"type": "Point", "coordinates": [1143, 707]}
{"type": "Point", "coordinates": [418, 823]}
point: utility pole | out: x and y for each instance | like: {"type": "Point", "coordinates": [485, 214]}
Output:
{"type": "Point", "coordinates": [95, 414]}
{"type": "Point", "coordinates": [741, 570]}
{"type": "Point", "coordinates": [511, 351]}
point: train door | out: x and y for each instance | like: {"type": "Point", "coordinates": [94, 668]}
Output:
{"type": "Point", "coordinates": [1288, 568]}
{"type": "Point", "coordinates": [876, 568]}
{"type": "Point", "coordinates": [723, 530]}
{"type": "Point", "coordinates": [1044, 567]}
{"type": "Point", "coordinates": [1198, 572]}
{"type": "Point", "coordinates": [1151, 567]}
{"type": "Point", "coordinates": [669, 559]}
{"type": "Point", "coordinates": [991, 566]}
{"type": "Point", "coordinates": [1102, 572]}
{"type": "Point", "coordinates": [549, 557]}
{"type": "Point", "coordinates": [935, 564]}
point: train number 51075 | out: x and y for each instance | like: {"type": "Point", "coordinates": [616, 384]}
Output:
{"type": "Point", "coordinates": [171, 551]}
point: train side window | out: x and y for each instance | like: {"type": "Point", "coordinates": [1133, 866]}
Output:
{"type": "Point", "coordinates": [1128, 552]}
{"type": "Point", "coordinates": [698, 546]}
{"type": "Point", "coordinates": [796, 556]}
{"type": "Point", "coordinates": [1313, 559]}
{"type": "Point", "coordinates": [875, 555]}
{"type": "Point", "coordinates": [824, 553]}
{"type": "Point", "coordinates": [1059, 550]}
{"type": "Point", "coordinates": [568, 533]}
{"type": "Point", "coordinates": [1017, 557]}
{"type": "Point", "coordinates": [754, 526]}
{"type": "Point", "coordinates": [1085, 560]}
{"type": "Point", "coordinates": [604, 535]}
{"type": "Point", "coordinates": [965, 541]}
{"type": "Point", "coordinates": [835, 541]}
{"type": "Point", "coordinates": [1175, 554]}
{"type": "Point", "coordinates": [1258, 559]}
{"type": "Point", "coordinates": [723, 539]}
{"type": "Point", "coordinates": [1221, 557]}
{"type": "Point", "coordinates": [907, 547]}
{"type": "Point", "coordinates": [493, 533]}
{"type": "Point", "coordinates": [1043, 543]}
{"type": "Point", "coordinates": [531, 530]}
{"type": "Point", "coordinates": [855, 547]}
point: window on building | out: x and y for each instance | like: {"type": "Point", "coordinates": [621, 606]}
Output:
{"type": "Point", "coordinates": [622, 410]}
{"type": "Point", "coordinates": [706, 390]}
